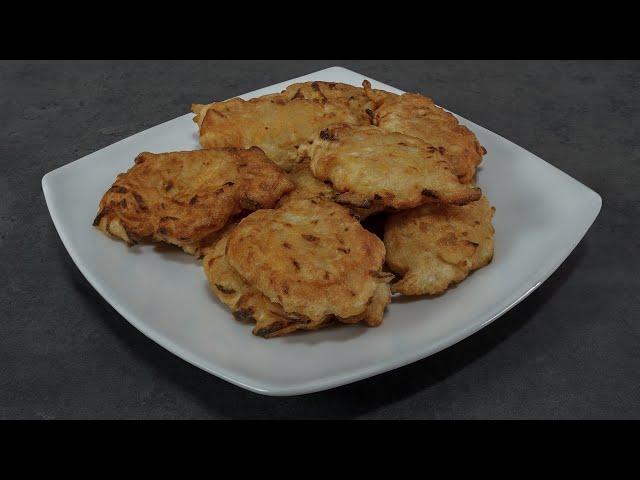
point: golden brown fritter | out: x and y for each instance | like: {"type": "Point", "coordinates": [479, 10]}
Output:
{"type": "Point", "coordinates": [183, 198]}
{"type": "Point", "coordinates": [310, 256]}
{"type": "Point", "coordinates": [372, 166]}
{"type": "Point", "coordinates": [279, 123]}
{"type": "Point", "coordinates": [249, 304]}
{"type": "Point", "coordinates": [246, 302]}
{"type": "Point", "coordinates": [417, 115]}
{"type": "Point", "coordinates": [308, 186]}
{"type": "Point", "coordinates": [435, 246]}
{"type": "Point", "coordinates": [355, 99]}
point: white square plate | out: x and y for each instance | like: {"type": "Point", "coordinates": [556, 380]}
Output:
{"type": "Point", "coordinates": [541, 215]}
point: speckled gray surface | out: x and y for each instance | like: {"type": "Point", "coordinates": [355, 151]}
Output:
{"type": "Point", "coordinates": [571, 350]}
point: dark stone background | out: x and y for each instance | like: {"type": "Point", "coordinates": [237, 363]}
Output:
{"type": "Point", "coordinates": [571, 350]}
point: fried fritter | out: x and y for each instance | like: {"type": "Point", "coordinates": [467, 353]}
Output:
{"type": "Point", "coordinates": [434, 246]}
{"type": "Point", "coordinates": [308, 186]}
{"type": "Point", "coordinates": [417, 115]}
{"type": "Point", "coordinates": [372, 166]}
{"type": "Point", "coordinates": [183, 198]}
{"type": "Point", "coordinates": [310, 256]}
{"type": "Point", "coordinates": [246, 302]}
{"type": "Point", "coordinates": [249, 304]}
{"type": "Point", "coordinates": [279, 123]}
{"type": "Point", "coordinates": [355, 99]}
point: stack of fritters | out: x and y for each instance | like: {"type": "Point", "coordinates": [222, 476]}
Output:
{"type": "Point", "coordinates": [282, 122]}
{"type": "Point", "coordinates": [273, 203]}
{"type": "Point", "coordinates": [300, 267]}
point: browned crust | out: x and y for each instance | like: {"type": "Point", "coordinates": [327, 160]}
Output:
{"type": "Point", "coordinates": [375, 167]}
{"type": "Point", "coordinates": [433, 247]}
{"type": "Point", "coordinates": [309, 187]}
{"type": "Point", "coordinates": [323, 280]}
{"type": "Point", "coordinates": [416, 115]}
{"type": "Point", "coordinates": [183, 198]}
{"type": "Point", "coordinates": [249, 305]}
{"type": "Point", "coordinates": [281, 123]}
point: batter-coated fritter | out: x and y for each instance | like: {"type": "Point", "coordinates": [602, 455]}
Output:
{"type": "Point", "coordinates": [183, 198]}
{"type": "Point", "coordinates": [417, 115]}
{"type": "Point", "coordinates": [249, 304]}
{"type": "Point", "coordinates": [434, 246]}
{"type": "Point", "coordinates": [310, 256]}
{"type": "Point", "coordinates": [280, 123]}
{"type": "Point", "coordinates": [308, 186]}
{"type": "Point", "coordinates": [372, 166]}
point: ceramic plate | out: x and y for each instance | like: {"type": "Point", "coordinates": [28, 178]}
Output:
{"type": "Point", "coordinates": [541, 215]}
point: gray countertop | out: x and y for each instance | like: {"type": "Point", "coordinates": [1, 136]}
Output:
{"type": "Point", "coordinates": [570, 350]}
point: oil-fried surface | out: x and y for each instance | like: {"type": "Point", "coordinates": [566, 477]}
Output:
{"type": "Point", "coordinates": [280, 123]}
{"type": "Point", "coordinates": [245, 301]}
{"type": "Point", "coordinates": [183, 198]}
{"type": "Point", "coordinates": [435, 246]}
{"type": "Point", "coordinates": [354, 99]}
{"type": "Point", "coordinates": [416, 115]}
{"type": "Point", "coordinates": [375, 167]}
{"type": "Point", "coordinates": [310, 256]}
{"type": "Point", "coordinates": [377, 97]}
{"type": "Point", "coordinates": [308, 186]}
{"type": "Point", "coordinates": [249, 304]}
{"type": "Point", "coordinates": [377, 304]}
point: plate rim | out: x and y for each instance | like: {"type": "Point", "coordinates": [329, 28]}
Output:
{"type": "Point", "coordinates": [336, 380]}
